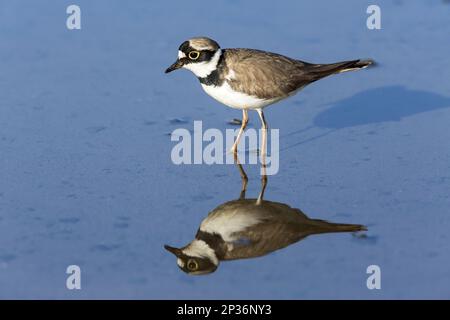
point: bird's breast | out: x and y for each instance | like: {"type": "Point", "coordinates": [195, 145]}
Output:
{"type": "Point", "coordinates": [227, 223]}
{"type": "Point", "coordinates": [235, 99]}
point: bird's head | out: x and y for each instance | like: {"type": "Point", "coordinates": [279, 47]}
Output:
{"type": "Point", "coordinates": [197, 258]}
{"type": "Point", "coordinates": [200, 55]}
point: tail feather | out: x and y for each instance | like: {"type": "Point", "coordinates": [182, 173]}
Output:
{"type": "Point", "coordinates": [323, 70]}
{"type": "Point", "coordinates": [359, 64]}
{"type": "Point", "coordinates": [326, 227]}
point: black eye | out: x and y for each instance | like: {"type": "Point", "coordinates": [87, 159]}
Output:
{"type": "Point", "coordinates": [192, 265]}
{"type": "Point", "coordinates": [193, 55]}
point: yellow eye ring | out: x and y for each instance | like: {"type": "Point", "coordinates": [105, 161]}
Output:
{"type": "Point", "coordinates": [194, 55]}
{"type": "Point", "coordinates": [192, 265]}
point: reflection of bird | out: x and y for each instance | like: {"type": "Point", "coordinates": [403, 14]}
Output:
{"type": "Point", "coordinates": [248, 228]}
{"type": "Point", "coordinates": [251, 79]}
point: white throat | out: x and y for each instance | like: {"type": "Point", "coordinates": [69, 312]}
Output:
{"type": "Point", "coordinates": [204, 69]}
{"type": "Point", "coordinates": [200, 249]}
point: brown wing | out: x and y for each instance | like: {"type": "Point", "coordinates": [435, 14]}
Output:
{"type": "Point", "coordinates": [265, 238]}
{"type": "Point", "coordinates": [266, 75]}
{"type": "Point", "coordinates": [269, 75]}
{"type": "Point", "coordinates": [280, 226]}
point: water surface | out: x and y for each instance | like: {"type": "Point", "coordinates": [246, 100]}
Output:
{"type": "Point", "coordinates": [86, 176]}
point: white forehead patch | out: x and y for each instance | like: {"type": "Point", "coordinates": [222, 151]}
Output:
{"type": "Point", "coordinates": [181, 54]}
{"type": "Point", "coordinates": [180, 263]}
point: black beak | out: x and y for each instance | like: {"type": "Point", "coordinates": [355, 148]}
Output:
{"type": "Point", "coordinates": [177, 65]}
{"type": "Point", "coordinates": [177, 252]}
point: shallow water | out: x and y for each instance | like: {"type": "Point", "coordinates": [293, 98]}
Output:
{"type": "Point", "coordinates": [86, 176]}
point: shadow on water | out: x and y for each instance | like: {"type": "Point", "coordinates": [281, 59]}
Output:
{"type": "Point", "coordinates": [379, 105]}
{"type": "Point", "coordinates": [248, 228]}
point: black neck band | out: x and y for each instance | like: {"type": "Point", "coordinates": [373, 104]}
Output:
{"type": "Point", "coordinates": [214, 241]}
{"type": "Point", "coordinates": [214, 79]}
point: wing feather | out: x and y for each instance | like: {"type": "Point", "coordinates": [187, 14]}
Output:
{"type": "Point", "coordinates": [266, 75]}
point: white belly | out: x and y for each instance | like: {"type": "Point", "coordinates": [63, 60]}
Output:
{"type": "Point", "coordinates": [228, 222]}
{"type": "Point", "coordinates": [226, 95]}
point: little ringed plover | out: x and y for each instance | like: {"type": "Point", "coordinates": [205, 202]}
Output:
{"type": "Point", "coordinates": [250, 79]}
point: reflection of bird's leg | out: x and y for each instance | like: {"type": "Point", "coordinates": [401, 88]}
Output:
{"type": "Point", "coordinates": [263, 180]}
{"type": "Point", "coordinates": [243, 177]}
{"type": "Point", "coordinates": [264, 133]}
{"type": "Point", "coordinates": [263, 155]}
{"type": "Point", "coordinates": [263, 188]}
{"type": "Point", "coordinates": [241, 131]}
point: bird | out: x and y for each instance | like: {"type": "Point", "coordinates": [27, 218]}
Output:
{"type": "Point", "coordinates": [251, 79]}
{"type": "Point", "coordinates": [248, 228]}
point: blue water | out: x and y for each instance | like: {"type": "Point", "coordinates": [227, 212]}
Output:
{"type": "Point", "coordinates": [86, 176]}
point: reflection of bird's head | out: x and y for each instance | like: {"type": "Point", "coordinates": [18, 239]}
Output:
{"type": "Point", "coordinates": [196, 258]}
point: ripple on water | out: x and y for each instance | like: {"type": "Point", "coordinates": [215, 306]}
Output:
{"type": "Point", "coordinates": [69, 220]}
{"type": "Point", "coordinates": [5, 258]}
{"type": "Point", "coordinates": [104, 247]}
